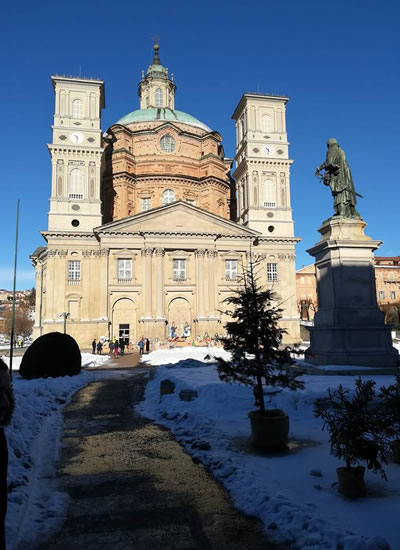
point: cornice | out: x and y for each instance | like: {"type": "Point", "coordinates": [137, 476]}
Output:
{"type": "Point", "coordinates": [68, 150]}
{"type": "Point", "coordinates": [155, 178]}
{"type": "Point", "coordinates": [60, 234]}
{"type": "Point", "coordinates": [156, 128]}
{"type": "Point", "coordinates": [245, 238]}
{"type": "Point", "coordinates": [247, 164]}
{"type": "Point", "coordinates": [267, 162]}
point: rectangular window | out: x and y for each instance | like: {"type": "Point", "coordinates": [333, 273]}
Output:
{"type": "Point", "coordinates": [74, 270]}
{"type": "Point", "coordinates": [272, 272]}
{"type": "Point", "coordinates": [393, 295]}
{"type": "Point", "coordinates": [381, 295]}
{"type": "Point", "coordinates": [73, 309]}
{"type": "Point", "coordinates": [124, 269]}
{"type": "Point", "coordinates": [146, 204]}
{"type": "Point", "coordinates": [231, 270]}
{"type": "Point", "coordinates": [179, 270]}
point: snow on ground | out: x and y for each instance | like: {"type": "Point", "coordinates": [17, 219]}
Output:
{"type": "Point", "coordinates": [33, 435]}
{"type": "Point", "coordinates": [88, 360]}
{"type": "Point", "coordinates": [295, 492]}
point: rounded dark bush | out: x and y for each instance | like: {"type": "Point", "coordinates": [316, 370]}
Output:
{"type": "Point", "coordinates": [51, 355]}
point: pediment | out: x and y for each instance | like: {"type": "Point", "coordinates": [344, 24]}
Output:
{"type": "Point", "coordinates": [178, 217]}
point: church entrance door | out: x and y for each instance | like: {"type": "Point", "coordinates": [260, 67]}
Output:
{"type": "Point", "coordinates": [180, 317]}
{"type": "Point", "coordinates": [124, 320]}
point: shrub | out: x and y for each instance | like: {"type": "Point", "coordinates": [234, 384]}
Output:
{"type": "Point", "coordinates": [390, 397]}
{"type": "Point", "coordinates": [356, 425]}
{"type": "Point", "coordinates": [51, 355]}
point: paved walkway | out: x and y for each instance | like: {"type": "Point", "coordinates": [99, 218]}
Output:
{"type": "Point", "coordinates": [133, 487]}
{"type": "Point", "coordinates": [131, 359]}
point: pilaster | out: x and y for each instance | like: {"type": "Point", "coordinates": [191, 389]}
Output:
{"type": "Point", "coordinates": [200, 255]}
{"type": "Point", "coordinates": [159, 254]}
{"type": "Point", "coordinates": [147, 254]}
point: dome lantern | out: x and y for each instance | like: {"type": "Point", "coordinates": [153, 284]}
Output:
{"type": "Point", "coordinates": [156, 89]}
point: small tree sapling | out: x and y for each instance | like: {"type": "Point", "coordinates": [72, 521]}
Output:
{"type": "Point", "coordinates": [356, 426]}
{"type": "Point", "coordinates": [254, 338]}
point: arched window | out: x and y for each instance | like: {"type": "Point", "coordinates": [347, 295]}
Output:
{"type": "Point", "coordinates": [168, 196]}
{"type": "Point", "coordinates": [269, 194]}
{"type": "Point", "coordinates": [158, 97]}
{"type": "Point", "coordinates": [75, 190]}
{"type": "Point", "coordinates": [77, 108]}
{"type": "Point", "coordinates": [241, 129]}
{"type": "Point", "coordinates": [266, 123]}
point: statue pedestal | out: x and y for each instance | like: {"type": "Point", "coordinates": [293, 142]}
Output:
{"type": "Point", "coordinates": [348, 328]}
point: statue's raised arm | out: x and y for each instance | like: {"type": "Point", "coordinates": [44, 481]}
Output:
{"type": "Point", "coordinates": [337, 176]}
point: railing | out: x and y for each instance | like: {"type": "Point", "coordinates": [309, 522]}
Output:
{"type": "Point", "coordinates": [74, 281]}
{"type": "Point", "coordinates": [179, 280]}
{"type": "Point", "coordinates": [124, 281]}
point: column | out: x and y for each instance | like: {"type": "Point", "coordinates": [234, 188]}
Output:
{"type": "Point", "coordinates": [147, 253]}
{"type": "Point", "coordinates": [200, 253]}
{"type": "Point", "coordinates": [159, 253]}
{"type": "Point", "coordinates": [212, 259]}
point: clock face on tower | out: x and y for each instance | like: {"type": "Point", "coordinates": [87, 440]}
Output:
{"type": "Point", "coordinates": [76, 137]}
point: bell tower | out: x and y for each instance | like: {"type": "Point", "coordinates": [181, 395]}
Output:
{"type": "Point", "coordinates": [76, 154]}
{"type": "Point", "coordinates": [263, 165]}
{"type": "Point", "coordinates": [156, 89]}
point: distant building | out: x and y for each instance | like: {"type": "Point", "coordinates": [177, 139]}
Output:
{"type": "Point", "coordinates": [387, 277]}
{"type": "Point", "coordinates": [6, 302]}
{"type": "Point", "coordinates": [306, 290]}
{"type": "Point", "coordinates": [387, 280]}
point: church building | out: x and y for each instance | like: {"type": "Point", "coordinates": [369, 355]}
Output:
{"type": "Point", "coordinates": [148, 229]}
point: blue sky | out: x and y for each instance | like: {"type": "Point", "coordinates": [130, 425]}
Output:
{"type": "Point", "coordinates": [338, 62]}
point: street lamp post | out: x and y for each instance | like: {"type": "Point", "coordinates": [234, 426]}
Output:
{"type": "Point", "coordinates": [65, 315]}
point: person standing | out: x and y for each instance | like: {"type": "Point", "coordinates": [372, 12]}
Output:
{"type": "Point", "coordinates": [141, 345]}
{"type": "Point", "coordinates": [94, 346]}
{"type": "Point", "coordinates": [99, 347]}
{"type": "Point", "coordinates": [111, 347]}
{"type": "Point", "coordinates": [6, 409]}
{"type": "Point", "coordinates": [147, 345]}
{"type": "Point", "coordinates": [122, 345]}
{"type": "Point", "coordinates": [116, 348]}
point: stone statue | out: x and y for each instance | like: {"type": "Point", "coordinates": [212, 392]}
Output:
{"type": "Point", "coordinates": [337, 176]}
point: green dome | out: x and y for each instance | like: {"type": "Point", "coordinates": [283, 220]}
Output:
{"type": "Point", "coordinates": [154, 113]}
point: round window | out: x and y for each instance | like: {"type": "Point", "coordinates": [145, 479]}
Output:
{"type": "Point", "coordinates": [75, 223]}
{"type": "Point", "coordinates": [271, 228]}
{"type": "Point", "coordinates": [167, 144]}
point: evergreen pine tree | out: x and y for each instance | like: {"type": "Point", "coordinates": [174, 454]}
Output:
{"type": "Point", "coordinates": [254, 338]}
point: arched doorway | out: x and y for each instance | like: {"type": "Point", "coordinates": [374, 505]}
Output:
{"type": "Point", "coordinates": [392, 317]}
{"type": "Point", "coordinates": [180, 316]}
{"type": "Point", "coordinates": [124, 320]}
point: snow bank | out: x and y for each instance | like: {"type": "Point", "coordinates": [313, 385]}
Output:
{"type": "Point", "coordinates": [294, 493]}
{"type": "Point", "coordinates": [34, 505]}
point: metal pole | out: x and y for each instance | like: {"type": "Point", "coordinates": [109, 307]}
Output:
{"type": "Point", "coordinates": [41, 299]}
{"type": "Point", "coordinates": [65, 323]}
{"type": "Point", "coordinates": [14, 285]}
